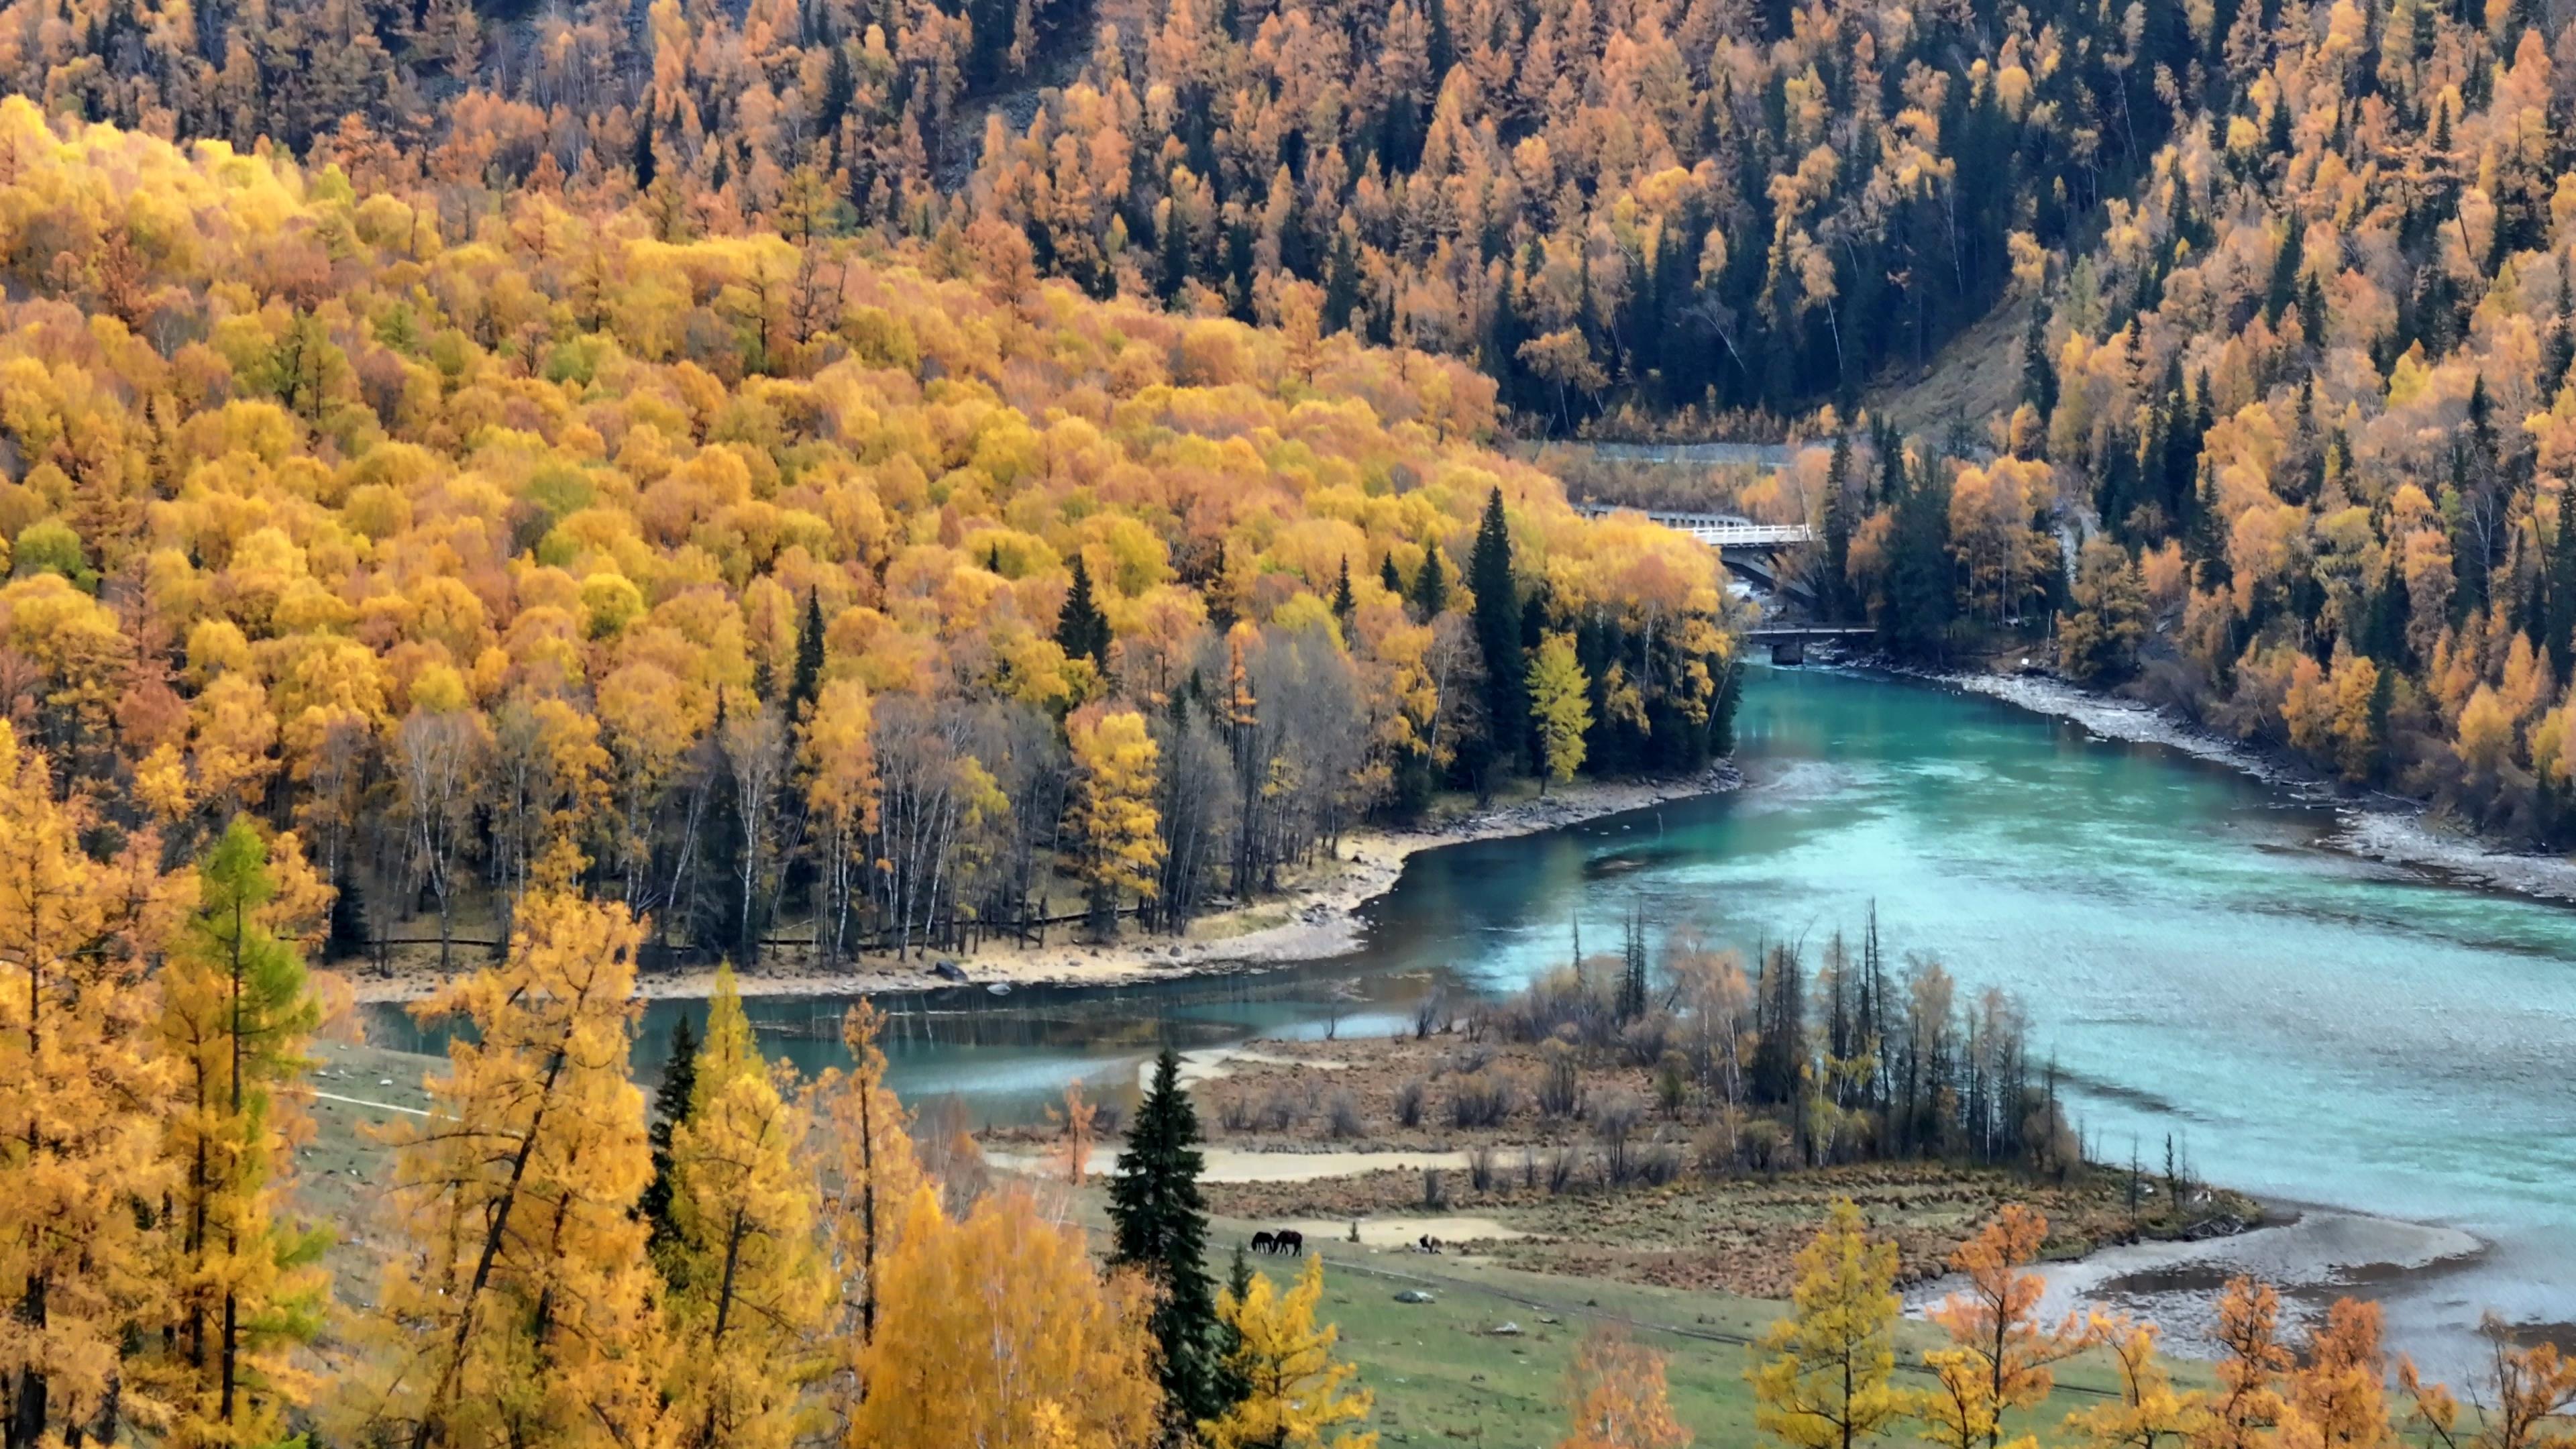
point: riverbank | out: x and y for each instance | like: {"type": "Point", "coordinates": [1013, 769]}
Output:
{"type": "Point", "coordinates": [1314, 917]}
{"type": "Point", "coordinates": [2388, 829]}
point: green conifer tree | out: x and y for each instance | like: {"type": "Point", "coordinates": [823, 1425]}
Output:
{"type": "Point", "coordinates": [1081, 628]}
{"type": "Point", "coordinates": [1158, 1225]}
{"type": "Point", "coordinates": [1498, 632]}
{"type": "Point", "coordinates": [1430, 596]}
{"type": "Point", "coordinates": [808, 678]}
{"type": "Point", "coordinates": [670, 1109]}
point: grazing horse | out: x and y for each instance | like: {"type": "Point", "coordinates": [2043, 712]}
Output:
{"type": "Point", "coordinates": [1289, 1241]}
{"type": "Point", "coordinates": [1264, 1243]}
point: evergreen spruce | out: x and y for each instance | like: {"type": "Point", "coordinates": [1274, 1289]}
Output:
{"type": "Point", "coordinates": [1388, 576]}
{"type": "Point", "coordinates": [1833, 587]}
{"type": "Point", "coordinates": [670, 1109]}
{"type": "Point", "coordinates": [1430, 596]}
{"type": "Point", "coordinates": [2038, 370]}
{"type": "Point", "coordinates": [1081, 628]}
{"type": "Point", "coordinates": [808, 679]}
{"type": "Point", "coordinates": [644, 150]}
{"type": "Point", "coordinates": [1158, 1225]}
{"type": "Point", "coordinates": [1231, 1386]}
{"type": "Point", "coordinates": [349, 934]}
{"type": "Point", "coordinates": [1344, 603]}
{"type": "Point", "coordinates": [1498, 632]}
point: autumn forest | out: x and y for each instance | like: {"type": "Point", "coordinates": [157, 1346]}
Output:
{"type": "Point", "coordinates": [504, 505]}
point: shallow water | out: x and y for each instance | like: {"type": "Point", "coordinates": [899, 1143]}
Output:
{"type": "Point", "coordinates": [2307, 1025]}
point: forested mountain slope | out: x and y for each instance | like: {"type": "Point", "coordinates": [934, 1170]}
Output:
{"type": "Point", "coordinates": [738, 577]}
{"type": "Point", "coordinates": [1631, 207]}
{"type": "Point", "coordinates": [2310, 387]}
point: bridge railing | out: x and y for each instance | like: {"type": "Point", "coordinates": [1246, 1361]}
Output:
{"type": "Point", "coordinates": [1718, 530]}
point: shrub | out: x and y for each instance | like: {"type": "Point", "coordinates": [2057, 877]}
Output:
{"type": "Point", "coordinates": [1481, 1100]}
{"type": "Point", "coordinates": [1234, 1112]}
{"type": "Point", "coordinates": [1557, 1082]}
{"type": "Point", "coordinates": [1342, 1116]}
{"type": "Point", "coordinates": [1480, 1168]}
{"type": "Point", "coordinates": [1435, 1190]}
{"type": "Point", "coordinates": [1408, 1103]}
{"type": "Point", "coordinates": [1560, 1171]}
{"type": "Point", "coordinates": [1615, 1116]}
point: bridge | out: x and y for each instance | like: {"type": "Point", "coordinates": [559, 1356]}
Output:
{"type": "Point", "coordinates": [1773, 456]}
{"type": "Point", "coordinates": [1717, 530]}
{"type": "Point", "coordinates": [1789, 641]}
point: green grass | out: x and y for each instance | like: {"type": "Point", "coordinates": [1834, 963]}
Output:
{"type": "Point", "coordinates": [1440, 1374]}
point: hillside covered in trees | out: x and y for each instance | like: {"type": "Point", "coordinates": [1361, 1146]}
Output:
{"type": "Point", "coordinates": [744, 579]}
{"type": "Point", "coordinates": [2305, 406]}
{"type": "Point", "coordinates": [1618, 210]}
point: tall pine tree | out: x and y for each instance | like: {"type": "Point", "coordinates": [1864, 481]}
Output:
{"type": "Point", "coordinates": [1158, 1225]}
{"type": "Point", "coordinates": [1430, 595]}
{"type": "Point", "coordinates": [670, 1109]}
{"type": "Point", "coordinates": [808, 678]}
{"type": "Point", "coordinates": [1498, 632]}
{"type": "Point", "coordinates": [1081, 628]}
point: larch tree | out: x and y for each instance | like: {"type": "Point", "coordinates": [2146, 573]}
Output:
{"type": "Point", "coordinates": [524, 1309]}
{"type": "Point", "coordinates": [1617, 1397]}
{"type": "Point", "coordinates": [1561, 707]}
{"type": "Point", "coordinates": [79, 1077]}
{"type": "Point", "coordinates": [2150, 1412]}
{"type": "Point", "coordinates": [999, 1333]}
{"type": "Point", "coordinates": [747, 1294]}
{"type": "Point", "coordinates": [1158, 1223]}
{"type": "Point", "coordinates": [1111, 815]}
{"type": "Point", "coordinates": [869, 1171]}
{"type": "Point", "coordinates": [2253, 1366]}
{"type": "Point", "coordinates": [2000, 1357]}
{"type": "Point", "coordinates": [247, 1286]}
{"type": "Point", "coordinates": [1294, 1389]}
{"type": "Point", "coordinates": [1825, 1384]}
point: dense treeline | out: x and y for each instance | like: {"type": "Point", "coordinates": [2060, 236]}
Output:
{"type": "Point", "coordinates": [1619, 210]}
{"type": "Point", "coordinates": [1845, 1061]}
{"type": "Point", "coordinates": [2306, 405]}
{"type": "Point", "coordinates": [765, 1264]}
{"type": "Point", "coordinates": [764, 587]}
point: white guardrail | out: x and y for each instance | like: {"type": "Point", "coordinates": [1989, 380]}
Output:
{"type": "Point", "coordinates": [1722, 530]}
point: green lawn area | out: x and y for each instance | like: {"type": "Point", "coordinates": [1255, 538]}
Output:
{"type": "Point", "coordinates": [1440, 1373]}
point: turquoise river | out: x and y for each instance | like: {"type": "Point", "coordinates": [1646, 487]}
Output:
{"type": "Point", "coordinates": [2311, 1027]}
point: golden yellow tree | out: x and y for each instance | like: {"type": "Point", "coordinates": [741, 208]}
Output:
{"type": "Point", "coordinates": [1825, 1385]}
{"type": "Point", "coordinates": [2150, 1412]}
{"type": "Point", "coordinates": [524, 1312]}
{"type": "Point", "coordinates": [1561, 706]}
{"type": "Point", "coordinates": [246, 1285]}
{"type": "Point", "coordinates": [78, 1080]}
{"type": "Point", "coordinates": [865, 1155]}
{"type": "Point", "coordinates": [747, 1291]}
{"type": "Point", "coordinates": [1294, 1389]}
{"type": "Point", "coordinates": [1112, 812]}
{"type": "Point", "coordinates": [997, 1332]}
{"type": "Point", "coordinates": [2000, 1357]}
{"type": "Point", "coordinates": [2251, 1367]}
{"type": "Point", "coordinates": [1618, 1398]}
{"type": "Point", "coordinates": [2341, 1391]}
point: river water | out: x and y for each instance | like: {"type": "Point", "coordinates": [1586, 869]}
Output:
{"type": "Point", "coordinates": [2307, 1026]}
